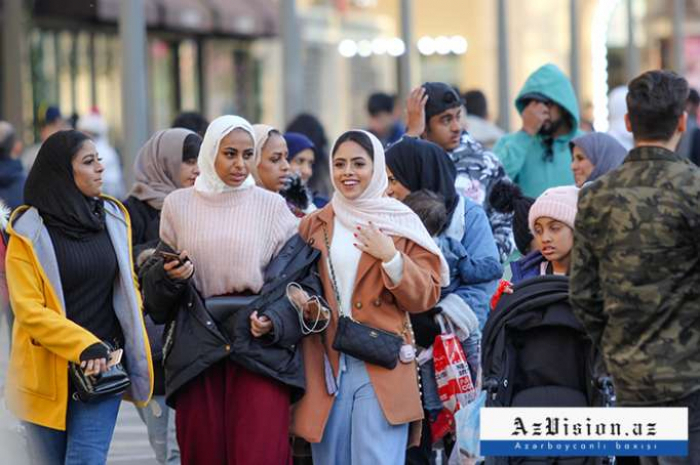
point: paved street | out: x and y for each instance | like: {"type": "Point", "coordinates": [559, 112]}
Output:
{"type": "Point", "coordinates": [130, 443]}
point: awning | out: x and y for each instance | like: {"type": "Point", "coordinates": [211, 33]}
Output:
{"type": "Point", "coordinates": [255, 17]}
{"type": "Point", "coordinates": [241, 18]}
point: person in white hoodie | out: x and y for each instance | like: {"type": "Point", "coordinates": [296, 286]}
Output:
{"type": "Point", "coordinates": [94, 125]}
{"type": "Point", "coordinates": [617, 108]}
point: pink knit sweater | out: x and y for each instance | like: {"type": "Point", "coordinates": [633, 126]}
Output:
{"type": "Point", "coordinates": [230, 236]}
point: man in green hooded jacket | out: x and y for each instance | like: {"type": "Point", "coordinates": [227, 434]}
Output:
{"type": "Point", "coordinates": [538, 156]}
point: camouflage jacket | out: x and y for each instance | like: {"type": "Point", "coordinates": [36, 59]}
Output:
{"type": "Point", "coordinates": [635, 274]}
{"type": "Point", "coordinates": [477, 171]}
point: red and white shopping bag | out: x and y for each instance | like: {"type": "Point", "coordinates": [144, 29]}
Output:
{"type": "Point", "coordinates": [454, 381]}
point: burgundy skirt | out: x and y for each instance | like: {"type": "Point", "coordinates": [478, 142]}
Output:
{"type": "Point", "coordinates": [231, 416]}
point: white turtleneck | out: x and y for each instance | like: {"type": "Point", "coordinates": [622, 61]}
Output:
{"type": "Point", "coordinates": [346, 258]}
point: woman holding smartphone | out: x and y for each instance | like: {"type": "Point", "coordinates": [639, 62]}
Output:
{"type": "Point", "coordinates": [166, 162]}
{"type": "Point", "coordinates": [72, 289]}
{"type": "Point", "coordinates": [226, 230]}
{"type": "Point", "coordinates": [378, 264]}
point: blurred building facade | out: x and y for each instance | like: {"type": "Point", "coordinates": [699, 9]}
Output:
{"type": "Point", "coordinates": [225, 56]}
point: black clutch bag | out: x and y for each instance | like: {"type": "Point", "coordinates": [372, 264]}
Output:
{"type": "Point", "coordinates": [371, 345]}
{"type": "Point", "coordinates": [92, 388]}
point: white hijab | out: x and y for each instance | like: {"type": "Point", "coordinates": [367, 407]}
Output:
{"type": "Point", "coordinates": [208, 180]}
{"type": "Point", "coordinates": [388, 214]}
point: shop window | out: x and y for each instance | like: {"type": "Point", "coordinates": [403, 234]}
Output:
{"type": "Point", "coordinates": [189, 76]}
{"type": "Point", "coordinates": [162, 95]}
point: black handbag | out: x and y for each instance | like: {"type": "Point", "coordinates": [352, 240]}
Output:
{"type": "Point", "coordinates": [92, 388]}
{"type": "Point", "coordinates": [371, 345]}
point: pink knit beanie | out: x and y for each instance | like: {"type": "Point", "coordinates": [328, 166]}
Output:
{"type": "Point", "coordinates": [558, 203]}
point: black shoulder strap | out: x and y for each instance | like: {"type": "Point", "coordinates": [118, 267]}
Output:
{"type": "Point", "coordinates": [695, 147]}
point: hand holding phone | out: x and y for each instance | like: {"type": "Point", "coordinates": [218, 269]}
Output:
{"type": "Point", "coordinates": [177, 266]}
{"type": "Point", "coordinates": [171, 256]}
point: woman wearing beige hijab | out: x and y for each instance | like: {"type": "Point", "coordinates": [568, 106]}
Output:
{"type": "Point", "coordinates": [166, 162]}
{"type": "Point", "coordinates": [272, 169]}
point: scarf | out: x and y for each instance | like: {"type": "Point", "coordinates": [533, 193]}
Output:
{"type": "Point", "coordinates": [208, 180]}
{"type": "Point", "coordinates": [418, 164]}
{"type": "Point", "coordinates": [262, 134]}
{"type": "Point", "coordinates": [603, 150]}
{"type": "Point", "coordinates": [388, 214]}
{"type": "Point", "coordinates": [157, 166]}
{"type": "Point", "coordinates": [51, 188]}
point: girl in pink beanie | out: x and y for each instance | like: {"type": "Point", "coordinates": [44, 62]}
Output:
{"type": "Point", "coordinates": [551, 221]}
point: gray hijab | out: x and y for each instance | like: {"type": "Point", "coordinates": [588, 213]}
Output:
{"type": "Point", "coordinates": [157, 166]}
{"type": "Point", "coordinates": [603, 150]}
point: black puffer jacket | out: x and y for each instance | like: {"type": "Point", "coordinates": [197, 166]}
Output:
{"type": "Point", "coordinates": [194, 342]}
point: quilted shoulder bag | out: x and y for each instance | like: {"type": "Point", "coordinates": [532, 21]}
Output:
{"type": "Point", "coordinates": [371, 345]}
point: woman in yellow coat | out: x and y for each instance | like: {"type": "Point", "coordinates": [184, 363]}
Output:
{"type": "Point", "coordinates": [72, 289]}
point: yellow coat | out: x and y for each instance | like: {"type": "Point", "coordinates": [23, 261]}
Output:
{"type": "Point", "coordinates": [44, 340]}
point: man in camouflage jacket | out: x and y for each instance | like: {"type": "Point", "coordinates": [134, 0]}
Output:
{"type": "Point", "coordinates": [635, 273]}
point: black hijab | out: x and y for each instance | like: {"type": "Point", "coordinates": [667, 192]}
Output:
{"type": "Point", "coordinates": [51, 188]}
{"type": "Point", "coordinates": [419, 164]}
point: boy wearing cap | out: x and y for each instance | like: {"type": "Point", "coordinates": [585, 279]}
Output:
{"type": "Point", "coordinates": [434, 113]}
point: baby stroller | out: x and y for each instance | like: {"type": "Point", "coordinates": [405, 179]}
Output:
{"type": "Point", "coordinates": [537, 354]}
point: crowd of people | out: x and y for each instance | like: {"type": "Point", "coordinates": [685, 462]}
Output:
{"type": "Point", "coordinates": [272, 300]}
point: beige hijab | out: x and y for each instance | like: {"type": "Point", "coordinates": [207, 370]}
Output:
{"type": "Point", "coordinates": [390, 215]}
{"type": "Point", "coordinates": [157, 166]}
{"type": "Point", "coordinates": [262, 134]}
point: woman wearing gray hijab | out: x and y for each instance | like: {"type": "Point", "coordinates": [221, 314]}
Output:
{"type": "Point", "coordinates": [593, 155]}
{"type": "Point", "coordinates": [166, 162]}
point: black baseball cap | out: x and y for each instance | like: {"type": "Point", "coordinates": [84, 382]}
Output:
{"type": "Point", "coordinates": [441, 97]}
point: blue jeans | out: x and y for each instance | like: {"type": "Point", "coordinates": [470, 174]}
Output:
{"type": "Point", "coordinates": [357, 433]}
{"type": "Point", "coordinates": [85, 441]}
{"type": "Point", "coordinates": [160, 421]}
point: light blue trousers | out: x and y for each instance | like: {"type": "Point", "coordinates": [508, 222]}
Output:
{"type": "Point", "coordinates": [160, 422]}
{"type": "Point", "coordinates": [357, 433]}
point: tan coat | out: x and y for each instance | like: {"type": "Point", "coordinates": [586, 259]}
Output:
{"type": "Point", "coordinates": [375, 302]}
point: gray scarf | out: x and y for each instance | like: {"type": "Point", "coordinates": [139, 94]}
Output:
{"type": "Point", "coordinates": [157, 166]}
{"type": "Point", "coordinates": [603, 150]}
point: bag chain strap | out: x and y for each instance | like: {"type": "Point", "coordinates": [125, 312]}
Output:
{"type": "Point", "coordinates": [330, 264]}
{"type": "Point", "coordinates": [407, 326]}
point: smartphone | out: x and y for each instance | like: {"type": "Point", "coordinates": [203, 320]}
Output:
{"type": "Point", "coordinates": [169, 256]}
{"type": "Point", "coordinates": [115, 357]}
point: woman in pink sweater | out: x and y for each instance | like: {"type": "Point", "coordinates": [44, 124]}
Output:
{"type": "Point", "coordinates": [229, 229]}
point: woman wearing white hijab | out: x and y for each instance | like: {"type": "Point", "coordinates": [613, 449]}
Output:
{"type": "Point", "coordinates": [381, 263]}
{"type": "Point", "coordinates": [229, 230]}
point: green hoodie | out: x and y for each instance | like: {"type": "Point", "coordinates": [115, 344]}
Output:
{"type": "Point", "coordinates": [523, 155]}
